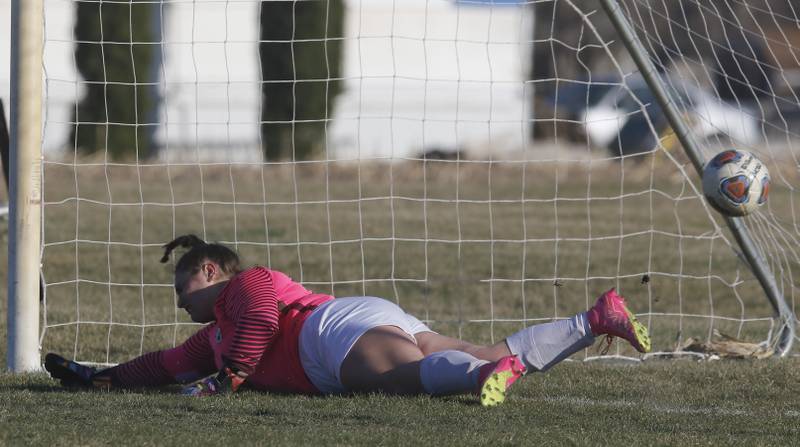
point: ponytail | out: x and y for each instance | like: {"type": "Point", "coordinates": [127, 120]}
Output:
{"type": "Point", "coordinates": [199, 251]}
{"type": "Point", "coordinates": [185, 241]}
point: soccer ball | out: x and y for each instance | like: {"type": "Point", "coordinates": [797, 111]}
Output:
{"type": "Point", "coordinates": [735, 182]}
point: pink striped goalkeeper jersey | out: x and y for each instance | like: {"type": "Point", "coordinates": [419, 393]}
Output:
{"type": "Point", "coordinates": [259, 315]}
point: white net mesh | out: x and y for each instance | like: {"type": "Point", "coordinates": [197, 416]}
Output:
{"type": "Point", "coordinates": [487, 165]}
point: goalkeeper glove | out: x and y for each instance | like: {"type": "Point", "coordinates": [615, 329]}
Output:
{"type": "Point", "coordinates": [225, 382]}
{"type": "Point", "coordinates": [74, 375]}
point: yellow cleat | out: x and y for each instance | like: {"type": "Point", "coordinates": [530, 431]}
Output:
{"type": "Point", "coordinates": [498, 378]}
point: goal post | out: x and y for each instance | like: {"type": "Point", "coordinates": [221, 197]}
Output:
{"type": "Point", "coordinates": [24, 241]}
{"type": "Point", "coordinates": [785, 318]}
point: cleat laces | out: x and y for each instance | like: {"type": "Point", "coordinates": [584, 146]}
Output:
{"type": "Point", "coordinates": [605, 345]}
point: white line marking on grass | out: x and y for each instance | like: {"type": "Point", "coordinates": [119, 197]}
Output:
{"type": "Point", "coordinates": [660, 408]}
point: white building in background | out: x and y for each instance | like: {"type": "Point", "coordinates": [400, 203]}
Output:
{"type": "Point", "coordinates": [419, 75]}
{"type": "Point", "coordinates": [433, 74]}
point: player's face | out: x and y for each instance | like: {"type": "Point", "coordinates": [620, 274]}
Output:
{"type": "Point", "coordinates": [197, 292]}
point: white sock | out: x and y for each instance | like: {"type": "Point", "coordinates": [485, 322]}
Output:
{"type": "Point", "coordinates": [450, 372]}
{"type": "Point", "coordinates": [543, 345]}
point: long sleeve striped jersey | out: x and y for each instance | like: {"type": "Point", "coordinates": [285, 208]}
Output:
{"type": "Point", "coordinates": [259, 315]}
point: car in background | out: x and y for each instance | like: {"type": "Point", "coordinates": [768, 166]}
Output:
{"type": "Point", "coordinates": [628, 120]}
{"type": "Point", "coordinates": [563, 103]}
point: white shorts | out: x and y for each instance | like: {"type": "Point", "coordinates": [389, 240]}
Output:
{"type": "Point", "coordinates": [334, 327]}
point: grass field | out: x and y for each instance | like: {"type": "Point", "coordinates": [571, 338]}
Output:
{"type": "Point", "coordinates": [656, 403]}
{"type": "Point", "coordinates": [477, 250]}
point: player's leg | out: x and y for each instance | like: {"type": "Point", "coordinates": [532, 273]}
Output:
{"type": "Point", "coordinates": [544, 345]}
{"type": "Point", "coordinates": [498, 371]}
{"type": "Point", "coordinates": [540, 346]}
{"type": "Point", "coordinates": [452, 366]}
{"type": "Point", "coordinates": [449, 366]}
{"type": "Point", "coordinates": [385, 359]}
{"type": "Point", "coordinates": [360, 344]}
{"type": "Point", "coordinates": [369, 344]}
{"type": "Point", "coordinates": [430, 342]}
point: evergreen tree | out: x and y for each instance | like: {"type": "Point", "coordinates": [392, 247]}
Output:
{"type": "Point", "coordinates": [300, 51]}
{"type": "Point", "coordinates": [117, 55]}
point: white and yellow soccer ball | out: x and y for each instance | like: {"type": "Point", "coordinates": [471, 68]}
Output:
{"type": "Point", "coordinates": [735, 182]}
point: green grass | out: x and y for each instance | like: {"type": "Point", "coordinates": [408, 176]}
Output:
{"type": "Point", "coordinates": [656, 403]}
{"type": "Point", "coordinates": [453, 249]}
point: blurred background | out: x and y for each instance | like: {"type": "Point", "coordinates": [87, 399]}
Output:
{"type": "Point", "coordinates": [342, 79]}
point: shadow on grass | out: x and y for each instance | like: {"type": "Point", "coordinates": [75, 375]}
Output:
{"type": "Point", "coordinates": [44, 385]}
{"type": "Point", "coordinates": [56, 388]}
{"type": "Point", "coordinates": [36, 388]}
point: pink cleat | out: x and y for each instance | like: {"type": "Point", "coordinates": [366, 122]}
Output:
{"type": "Point", "coordinates": [496, 378]}
{"type": "Point", "coordinates": [610, 316]}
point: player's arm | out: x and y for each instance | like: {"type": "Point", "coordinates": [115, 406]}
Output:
{"type": "Point", "coordinates": [71, 374]}
{"type": "Point", "coordinates": [190, 361]}
{"type": "Point", "coordinates": [254, 312]}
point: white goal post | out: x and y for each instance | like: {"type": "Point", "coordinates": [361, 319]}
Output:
{"type": "Point", "coordinates": [24, 240]}
{"type": "Point", "coordinates": [486, 164]}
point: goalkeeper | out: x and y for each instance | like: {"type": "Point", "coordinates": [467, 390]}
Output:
{"type": "Point", "coordinates": [269, 333]}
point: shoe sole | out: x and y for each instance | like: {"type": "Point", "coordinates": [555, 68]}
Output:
{"type": "Point", "coordinates": [494, 389]}
{"type": "Point", "coordinates": [640, 333]}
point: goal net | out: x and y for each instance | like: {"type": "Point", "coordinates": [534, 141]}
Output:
{"type": "Point", "coordinates": [487, 165]}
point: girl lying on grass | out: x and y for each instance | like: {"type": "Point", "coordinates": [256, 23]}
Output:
{"type": "Point", "coordinates": [269, 333]}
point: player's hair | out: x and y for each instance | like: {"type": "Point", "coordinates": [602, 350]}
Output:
{"type": "Point", "coordinates": [199, 251]}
